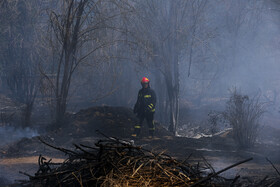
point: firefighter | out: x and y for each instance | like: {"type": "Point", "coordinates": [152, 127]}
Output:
{"type": "Point", "coordinates": [145, 108]}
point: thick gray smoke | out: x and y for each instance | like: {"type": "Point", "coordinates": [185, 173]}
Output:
{"type": "Point", "coordinates": [243, 54]}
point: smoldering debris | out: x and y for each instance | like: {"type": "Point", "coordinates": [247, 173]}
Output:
{"type": "Point", "coordinates": [10, 134]}
{"type": "Point", "coordinates": [116, 162]}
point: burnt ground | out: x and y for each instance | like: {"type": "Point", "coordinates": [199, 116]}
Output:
{"type": "Point", "coordinates": [220, 151]}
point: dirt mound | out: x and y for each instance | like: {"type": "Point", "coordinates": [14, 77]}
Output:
{"type": "Point", "coordinates": [112, 121]}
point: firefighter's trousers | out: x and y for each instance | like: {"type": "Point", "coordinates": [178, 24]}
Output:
{"type": "Point", "coordinates": [149, 116]}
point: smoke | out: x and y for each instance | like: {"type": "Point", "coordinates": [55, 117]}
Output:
{"type": "Point", "coordinates": [9, 134]}
{"type": "Point", "coordinates": [244, 55]}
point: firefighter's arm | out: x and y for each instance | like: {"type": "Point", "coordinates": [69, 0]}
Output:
{"type": "Point", "coordinates": [152, 105]}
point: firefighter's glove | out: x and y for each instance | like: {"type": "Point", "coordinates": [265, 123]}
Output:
{"type": "Point", "coordinates": [151, 108]}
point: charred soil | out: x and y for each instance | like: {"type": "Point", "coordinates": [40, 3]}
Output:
{"type": "Point", "coordinates": [219, 151]}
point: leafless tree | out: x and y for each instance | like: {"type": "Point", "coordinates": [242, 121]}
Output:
{"type": "Point", "coordinates": [234, 26]}
{"type": "Point", "coordinates": [166, 29]}
{"type": "Point", "coordinates": [79, 30]}
{"type": "Point", "coordinates": [18, 54]}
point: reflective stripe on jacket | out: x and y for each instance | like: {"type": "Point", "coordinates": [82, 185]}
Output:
{"type": "Point", "coordinates": [146, 101]}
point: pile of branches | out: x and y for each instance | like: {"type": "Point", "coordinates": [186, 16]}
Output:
{"type": "Point", "coordinates": [115, 162]}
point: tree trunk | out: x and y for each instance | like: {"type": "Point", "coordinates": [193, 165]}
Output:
{"type": "Point", "coordinates": [26, 115]}
{"type": "Point", "coordinates": [60, 111]}
{"type": "Point", "coordinates": [176, 92]}
{"type": "Point", "coordinates": [173, 71]}
{"type": "Point", "coordinates": [66, 65]}
{"type": "Point", "coordinates": [161, 90]}
{"type": "Point", "coordinates": [172, 101]}
{"type": "Point", "coordinates": [174, 107]}
{"type": "Point", "coordinates": [172, 127]}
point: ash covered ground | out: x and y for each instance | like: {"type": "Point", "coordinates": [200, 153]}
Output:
{"type": "Point", "coordinates": [219, 149]}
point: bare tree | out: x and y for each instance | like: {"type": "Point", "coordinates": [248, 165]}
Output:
{"type": "Point", "coordinates": [18, 53]}
{"type": "Point", "coordinates": [79, 30]}
{"type": "Point", "coordinates": [164, 27]}
{"type": "Point", "coordinates": [234, 26]}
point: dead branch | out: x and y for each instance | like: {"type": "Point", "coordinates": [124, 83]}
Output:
{"type": "Point", "coordinates": [221, 171]}
{"type": "Point", "coordinates": [273, 166]}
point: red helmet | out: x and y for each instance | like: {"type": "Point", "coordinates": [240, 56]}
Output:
{"type": "Point", "coordinates": [145, 80]}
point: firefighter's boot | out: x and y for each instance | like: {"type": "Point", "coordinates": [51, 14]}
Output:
{"type": "Point", "coordinates": [137, 130]}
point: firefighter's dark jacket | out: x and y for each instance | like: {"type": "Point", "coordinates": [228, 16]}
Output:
{"type": "Point", "coordinates": [146, 101]}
